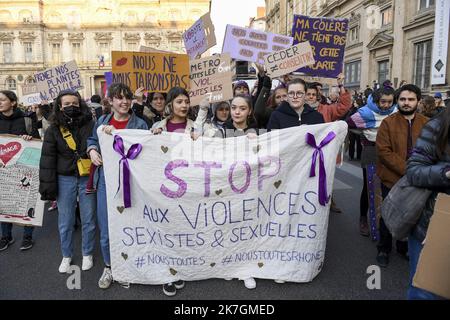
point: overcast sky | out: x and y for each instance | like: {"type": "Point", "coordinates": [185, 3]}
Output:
{"type": "Point", "coordinates": [235, 12]}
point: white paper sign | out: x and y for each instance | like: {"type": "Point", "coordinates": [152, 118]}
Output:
{"type": "Point", "coordinates": [215, 208]}
{"type": "Point", "coordinates": [289, 60]}
{"type": "Point", "coordinates": [19, 179]}
{"type": "Point", "coordinates": [252, 45]}
{"type": "Point", "coordinates": [54, 80]}
{"type": "Point", "coordinates": [199, 37]}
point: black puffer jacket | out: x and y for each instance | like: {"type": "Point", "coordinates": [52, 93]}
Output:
{"type": "Point", "coordinates": [285, 117]}
{"type": "Point", "coordinates": [15, 124]}
{"type": "Point", "coordinates": [58, 159]}
{"type": "Point", "coordinates": [427, 171]}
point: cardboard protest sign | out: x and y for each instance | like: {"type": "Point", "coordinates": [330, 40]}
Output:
{"type": "Point", "coordinates": [30, 95]}
{"type": "Point", "coordinates": [54, 80]}
{"type": "Point", "coordinates": [211, 77]}
{"type": "Point", "coordinates": [20, 201]}
{"type": "Point", "coordinates": [434, 262]}
{"type": "Point", "coordinates": [156, 72]}
{"type": "Point", "coordinates": [216, 208]}
{"type": "Point", "coordinates": [199, 37]}
{"type": "Point", "coordinates": [327, 37]}
{"type": "Point", "coordinates": [150, 49]}
{"type": "Point", "coordinates": [252, 45]}
{"type": "Point", "coordinates": [288, 60]}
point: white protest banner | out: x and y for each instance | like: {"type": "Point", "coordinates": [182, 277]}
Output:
{"type": "Point", "coordinates": [199, 37]}
{"type": "Point", "coordinates": [54, 80]}
{"type": "Point", "coordinates": [211, 77]}
{"type": "Point", "coordinates": [440, 43]}
{"type": "Point", "coordinates": [215, 208]}
{"type": "Point", "coordinates": [289, 60]}
{"type": "Point", "coordinates": [252, 45]}
{"type": "Point", "coordinates": [19, 180]}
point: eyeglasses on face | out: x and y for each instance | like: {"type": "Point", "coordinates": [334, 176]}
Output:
{"type": "Point", "coordinates": [293, 94]}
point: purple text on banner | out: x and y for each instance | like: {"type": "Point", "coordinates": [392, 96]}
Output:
{"type": "Point", "coordinates": [327, 37]}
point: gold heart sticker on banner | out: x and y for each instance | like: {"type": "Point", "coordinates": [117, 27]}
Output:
{"type": "Point", "coordinates": [260, 264]}
{"type": "Point", "coordinates": [277, 184]}
{"type": "Point", "coordinates": [124, 256]}
{"type": "Point", "coordinates": [173, 271]}
{"type": "Point", "coordinates": [120, 209]}
{"type": "Point", "coordinates": [164, 149]}
{"type": "Point", "coordinates": [219, 192]}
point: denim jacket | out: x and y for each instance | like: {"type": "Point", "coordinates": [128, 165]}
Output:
{"type": "Point", "coordinates": [133, 123]}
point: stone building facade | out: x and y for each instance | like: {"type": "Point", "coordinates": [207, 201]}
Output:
{"type": "Point", "coordinates": [35, 35]}
{"type": "Point", "coordinates": [387, 39]}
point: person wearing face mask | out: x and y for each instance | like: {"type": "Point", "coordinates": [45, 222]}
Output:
{"type": "Point", "coordinates": [367, 120]}
{"type": "Point", "coordinates": [13, 121]}
{"type": "Point", "coordinates": [122, 117]}
{"type": "Point", "coordinates": [60, 175]}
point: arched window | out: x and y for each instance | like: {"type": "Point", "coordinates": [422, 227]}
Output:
{"type": "Point", "coordinates": [195, 15]}
{"type": "Point", "coordinates": [131, 17]}
{"type": "Point", "coordinates": [174, 14]}
{"type": "Point", "coordinates": [150, 17]}
{"type": "Point", "coordinates": [54, 17]}
{"type": "Point", "coordinates": [30, 80]}
{"type": "Point", "coordinates": [25, 16]}
{"type": "Point", "coordinates": [11, 84]}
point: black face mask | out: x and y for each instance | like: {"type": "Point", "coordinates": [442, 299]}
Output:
{"type": "Point", "coordinates": [72, 111]}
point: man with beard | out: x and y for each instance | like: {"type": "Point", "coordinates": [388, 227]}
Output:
{"type": "Point", "coordinates": [394, 144]}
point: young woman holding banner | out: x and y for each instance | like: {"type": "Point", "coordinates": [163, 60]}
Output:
{"type": "Point", "coordinates": [121, 117]}
{"type": "Point", "coordinates": [176, 120]}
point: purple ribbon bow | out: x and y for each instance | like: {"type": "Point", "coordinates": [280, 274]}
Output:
{"type": "Point", "coordinates": [311, 140]}
{"type": "Point", "coordinates": [132, 154]}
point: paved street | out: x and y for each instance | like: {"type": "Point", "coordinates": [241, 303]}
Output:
{"type": "Point", "coordinates": [34, 274]}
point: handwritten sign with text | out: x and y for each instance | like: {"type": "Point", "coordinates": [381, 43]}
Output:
{"type": "Point", "coordinates": [211, 77]}
{"type": "Point", "coordinates": [288, 60]}
{"type": "Point", "coordinates": [54, 80]}
{"type": "Point", "coordinates": [19, 181]}
{"type": "Point", "coordinates": [156, 72]}
{"type": "Point", "coordinates": [199, 37]}
{"type": "Point", "coordinates": [327, 37]}
{"type": "Point", "coordinates": [252, 45]}
{"type": "Point", "coordinates": [216, 208]}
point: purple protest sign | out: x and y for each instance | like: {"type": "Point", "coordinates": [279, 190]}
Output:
{"type": "Point", "coordinates": [108, 78]}
{"type": "Point", "coordinates": [327, 37]}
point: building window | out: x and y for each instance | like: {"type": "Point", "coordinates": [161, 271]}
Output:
{"type": "Point", "coordinates": [28, 47]}
{"type": "Point", "coordinates": [25, 16]}
{"type": "Point", "coordinates": [11, 84]}
{"type": "Point", "coordinates": [7, 52]}
{"type": "Point", "coordinates": [150, 17]}
{"type": "Point", "coordinates": [422, 64]}
{"type": "Point", "coordinates": [174, 15]}
{"type": "Point", "coordinates": [76, 51]}
{"type": "Point", "coordinates": [103, 49]}
{"type": "Point", "coordinates": [386, 16]}
{"type": "Point", "coordinates": [354, 35]}
{"type": "Point", "coordinates": [175, 44]}
{"type": "Point", "coordinates": [383, 71]}
{"type": "Point", "coordinates": [425, 4]}
{"type": "Point", "coordinates": [56, 53]}
{"type": "Point", "coordinates": [132, 46]}
{"type": "Point", "coordinates": [30, 80]}
{"type": "Point", "coordinates": [353, 73]}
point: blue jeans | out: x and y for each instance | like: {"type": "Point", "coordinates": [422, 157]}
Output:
{"type": "Point", "coordinates": [102, 216]}
{"type": "Point", "coordinates": [415, 248]}
{"type": "Point", "coordinates": [7, 230]}
{"type": "Point", "coordinates": [69, 187]}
